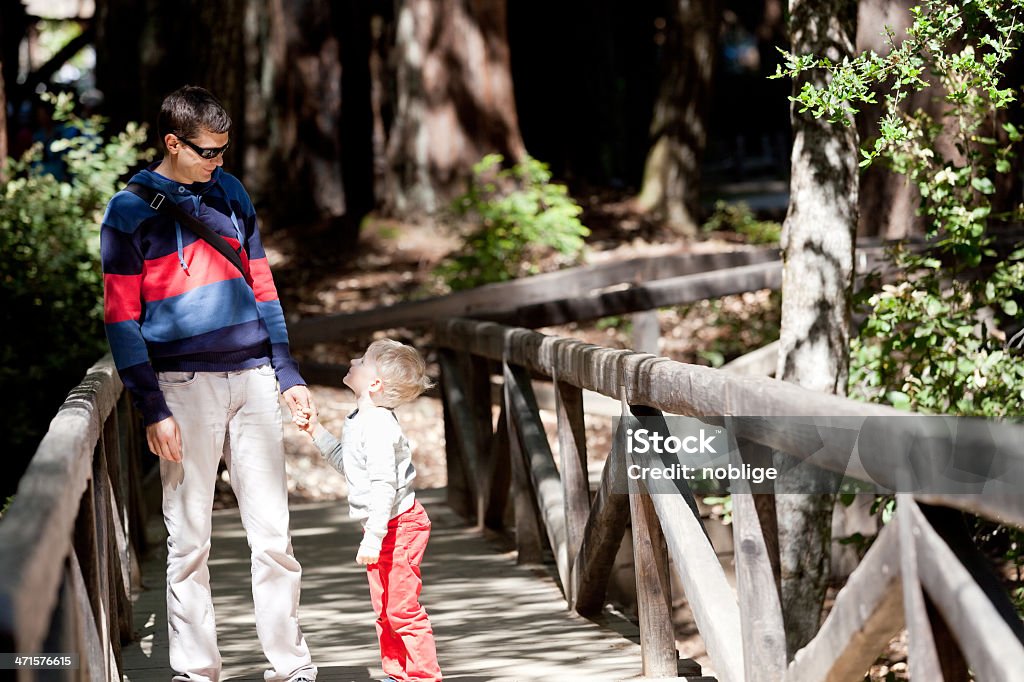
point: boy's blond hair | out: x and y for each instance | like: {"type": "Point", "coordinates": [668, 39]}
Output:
{"type": "Point", "coordinates": [401, 370]}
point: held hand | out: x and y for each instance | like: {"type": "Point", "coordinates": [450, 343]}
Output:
{"type": "Point", "coordinates": [298, 397]}
{"type": "Point", "coordinates": [305, 419]}
{"type": "Point", "coordinates": [164, 439]}
{"type": "Point", "coordinates": [367, 557]}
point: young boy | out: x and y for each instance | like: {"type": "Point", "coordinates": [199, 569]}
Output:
{"type": "Point", "coordinates": [376, 460]}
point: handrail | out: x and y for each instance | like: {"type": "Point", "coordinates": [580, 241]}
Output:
{"type": "Point", "coordinates": [72, 533]}
{"type": "Point", "coordinates": [506, 297]}
{"type": "Point", "coordinates": [742, 630]}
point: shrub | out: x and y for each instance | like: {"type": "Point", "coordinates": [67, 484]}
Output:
{"type": "Point", "coordinates": [51, 300]}
{"type": "Point", "coordinates": [521, 216]}
{"type": "Point", "coordinates": [740, 219]}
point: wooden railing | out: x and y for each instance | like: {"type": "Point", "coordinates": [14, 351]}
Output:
{"type": "Point", "coordinates": [521, 296]}
{"type": "Point", "coordinates": [71, 539]}
{"type": "Point", "coordinates": [923, 571]}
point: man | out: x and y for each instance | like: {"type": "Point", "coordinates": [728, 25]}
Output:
{"type": "Point", "coordinates": [203, 349]}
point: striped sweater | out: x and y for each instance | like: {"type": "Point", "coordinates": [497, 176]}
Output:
{"type": "Point", "coordinates": [173, 303]}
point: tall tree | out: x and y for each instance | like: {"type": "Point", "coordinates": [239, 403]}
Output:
{"type": "Point", "coordinates": [278, 68]}
{"type": "Point", "coordinates": [298, 88]}
{"type": "Point", "coordinates": [585, 100]}
{"type": "Point", "coordinates": [888, 202]}
{"type": "Point", "coordinates": [679, 126]}
{"type": "Point", "coordinates": [146, 50]}
{"type": "Point", "coordinates": [14, 23]}
{"type": "Point", "coordinates": [454, 101]}
{"type": "Point", "coordinates": [818, 246]}
{"type": "Point", "coordinates": [3, 126]}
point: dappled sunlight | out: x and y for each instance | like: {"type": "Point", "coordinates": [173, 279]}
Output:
{"type": "Point", "coordinates": [493, 619]}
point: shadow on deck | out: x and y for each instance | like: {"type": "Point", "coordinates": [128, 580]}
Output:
{"type": "Point", "coordinates": [493, 619]}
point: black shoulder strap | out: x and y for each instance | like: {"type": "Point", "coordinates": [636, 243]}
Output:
{"type": "Point", "coordinates": [162, 203]}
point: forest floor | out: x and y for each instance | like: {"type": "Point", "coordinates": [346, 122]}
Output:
{"type": "Point", "coordinates": [394, 262]}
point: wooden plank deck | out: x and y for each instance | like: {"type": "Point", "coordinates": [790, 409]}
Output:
{"type": "Point", "coordinates": [493, 620]}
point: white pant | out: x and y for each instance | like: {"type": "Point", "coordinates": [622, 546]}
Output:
{"type": "Point", "coordinates": [244, 406]}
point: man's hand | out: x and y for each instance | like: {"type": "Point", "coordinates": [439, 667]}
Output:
{"type": "Point", "coordinates": [299, 398]}
{"type": "Point", "coordinates": [164, 439]}
{"type": "Point", "coordinates": [367, 557]}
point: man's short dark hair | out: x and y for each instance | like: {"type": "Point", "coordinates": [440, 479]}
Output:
{"type": "Point", "coordinates": [189, 110]}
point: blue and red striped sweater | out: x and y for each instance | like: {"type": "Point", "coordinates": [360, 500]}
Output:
{"type": "Point", "coordinates": [173, 303]}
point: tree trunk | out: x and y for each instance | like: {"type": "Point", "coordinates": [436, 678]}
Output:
{"type": "Point", "coordinates": [356, 122]}
{"type": "Point", "coordinates": [454, 101]}
{"type": "Point", "coordinates": [119, 25]}
{"type": "Point", "coordinates": [888, 203]}
{"type": "Point", "coordinates": [671, 183]}
{"type": "Point", "coordinates": [298, 150]}
{"type": "Point", "coordinates": [277, 68]}
{"type": "Point", "coordinates": [818, 245]}
{"type": "Point", "coordinates": [146, 51]}
{"type": "Point", "coordinates": [3, 128]}
{"type": "Point", "coordinates": [14, 24]}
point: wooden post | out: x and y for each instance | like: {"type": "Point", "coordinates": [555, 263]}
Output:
{"type": "Point", "coordinates": [949, 525]}
{"type": "Point", "coordinates": [63, 624]}
{"type": "Point", "coordinates": [528, 533]}
{"type": "Point", "coordinates": [120, 561]}
{"type": "Point", "coordinates": [572, 448]}
{"type": "Point", "coordinates": [602, 536]}
{"type": "Point", "coordinates": [540, 467]}
{"type": "Point", "coordinates": [498, 475]}
{"type": "Point", "coordinates": [465, 425]}
{"type": "Point", "coordinates": [131, 468]}
{"type": "Point", "coordinates": [867, 613]}
{"type": "Point", "coordinates": [91, 547]}
{"type": "Point", "coordinates": [951, 659]}
{"type": "Point", "coordinates": [458, 490]}
{"type": "Point", "coordinates": [91, 649]}
{"type": "Point", "coordinates": [107, 617]}
{"type": "Point", "coordinates": [478, 393]}
{"type": "Point", "coordinates": [653, 589]}
{"type": "Point", "coordinates": [989, 639]}
{"type": "Point", "coordinates": [922, 657]}
{"type": "Point", "coordinates": [646, 331]}
{"type": "Point", "coordinates": [757, 587]}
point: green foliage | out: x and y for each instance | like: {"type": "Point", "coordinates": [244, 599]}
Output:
{"type": "Point", "coordinates": [733, 326]}
{"type": "Point", "coordinates": [924, 348]}
{"type": "Point", "coordinates": [49, 266]}
{"type": "Point", "coordinates": [621, 323]}
{"type": "Point", "coordinates": [721, 506]}
{"type": "Point", "coordinates": [933, 344]}
{"type": "Point", "coordinates": [740, 219]}
{"type": "Point", "coordinates": [521, 216]}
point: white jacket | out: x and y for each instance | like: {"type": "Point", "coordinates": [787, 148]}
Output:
{"type": "Point", "coordinates": [376, 459]}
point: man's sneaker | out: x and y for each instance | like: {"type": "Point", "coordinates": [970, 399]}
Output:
{"type": "Point", "coordinates": [303, 679]}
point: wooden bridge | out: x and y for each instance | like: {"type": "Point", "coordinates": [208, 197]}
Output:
{"type": "Point", "coordinates": [74, 542]}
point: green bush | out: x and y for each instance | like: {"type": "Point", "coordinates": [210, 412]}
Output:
{"type": "Point", "coordinates": [52, 312]}
{"type": "Point", "coordinates": [740, 219]}
{"type": "Point", "coordinates": [521, 216]}
{"type": "Point", "coordinates": [934, 343]}
{"type": "Point", "coordinates": [923, 347]}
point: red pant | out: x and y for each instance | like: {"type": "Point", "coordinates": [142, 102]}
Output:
{"type": "Point", "coordinates": [407, 650]}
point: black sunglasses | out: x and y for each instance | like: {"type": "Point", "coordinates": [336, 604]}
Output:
{"type": "Point", "coordinates": [205, 152]}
